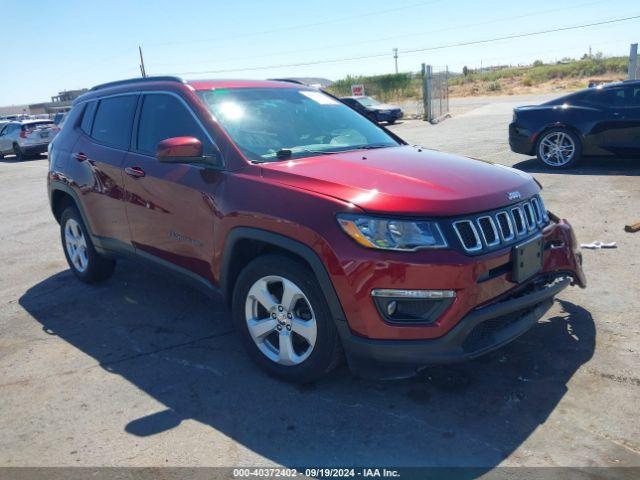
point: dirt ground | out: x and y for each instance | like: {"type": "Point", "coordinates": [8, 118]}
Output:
{"type": "Point", "coordinates": [144, 371]}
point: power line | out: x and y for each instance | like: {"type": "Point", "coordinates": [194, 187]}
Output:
{"type": "Point", "coordinates": [395, 37]}
{"type": "Point", "coordinates": [299, 26]}
{"type": "Point", "coordinates": [424, 49]}
{"type": "Point", "coordinates": [520, 35]}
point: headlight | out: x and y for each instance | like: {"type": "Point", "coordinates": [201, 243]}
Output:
{"type": "Point", "coordinates": [390, 234]}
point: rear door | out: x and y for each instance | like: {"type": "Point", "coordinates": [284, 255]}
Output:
{"type": "Point", "coordinates": [171, 207]}
{"type": "Point", "coordinates": [96, 165]}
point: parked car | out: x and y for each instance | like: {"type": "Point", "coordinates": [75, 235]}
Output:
{"type": "Point", "coordinates": [323, 232]}
{"type": "Point", "coordinates": [26, 138]}
{"type": "Point", "coordinates": [375, 110]}
{"type": "Point", "coordinates": [58, 117]}
{"type": "Point", "coordinates": [604, 120]}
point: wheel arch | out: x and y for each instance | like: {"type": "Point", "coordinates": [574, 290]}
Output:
{"type": "Point", "coordinates": [243, 244]}
{"type": "Point", "coordinates": [60, 197]}
{"type": "Point", "coordinates": [553, 126]}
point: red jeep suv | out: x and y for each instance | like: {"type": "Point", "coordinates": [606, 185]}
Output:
{"type": "Point", "coordinates": [328, 235]}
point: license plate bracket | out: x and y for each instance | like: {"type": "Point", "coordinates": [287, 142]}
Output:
{"type": "Point", "coordinates": [527, 259]}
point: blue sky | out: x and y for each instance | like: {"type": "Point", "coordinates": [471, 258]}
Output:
{"type": "Point", "coordinates": [66, 44]}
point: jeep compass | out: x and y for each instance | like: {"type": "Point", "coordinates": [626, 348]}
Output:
{"type": "Point", "coordinates": [328, 235]}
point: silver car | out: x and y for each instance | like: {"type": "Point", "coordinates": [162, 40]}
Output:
{"type": "Point", "coordinates": [26, 138]}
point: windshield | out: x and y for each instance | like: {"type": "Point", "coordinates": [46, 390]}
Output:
{"type": "Point", "coordinates": [272, 124]}
{"type": "Point", "coordinates": [367, 101]}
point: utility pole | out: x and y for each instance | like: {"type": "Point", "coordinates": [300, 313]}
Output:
{"type": "Point", "coordinates": [395, 57]}
{"type": "Point", "coordinates": [142, 70]}
{"type": "Point", "coordinates": [633, 62]}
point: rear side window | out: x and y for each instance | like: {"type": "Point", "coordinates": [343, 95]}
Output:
{"type": "Point", "coordinates": [634, 101]}
{"type": "Point", "coordinates": [162, 117]}
{"type": "Point", "coordinates": [612, 97]}
{"type": "Point", "coordinates": [113, 120]}
{"type": "Point", "coordinates": [87, 118]}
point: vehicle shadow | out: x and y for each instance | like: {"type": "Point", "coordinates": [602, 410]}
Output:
{"type": "Point", "coordinates": [177, 346]}
{"type": "Point", "coordinates": [622, 166]}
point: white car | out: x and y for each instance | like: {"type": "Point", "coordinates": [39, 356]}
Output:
{"type": "Point", "coordinates": [26, 138]}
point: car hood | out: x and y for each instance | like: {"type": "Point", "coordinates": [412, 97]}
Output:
{"type": "Point", "coordinates": [406, 180]}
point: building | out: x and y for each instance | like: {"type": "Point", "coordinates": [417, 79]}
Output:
{"type": "Point", "coordinates": [59, 103]}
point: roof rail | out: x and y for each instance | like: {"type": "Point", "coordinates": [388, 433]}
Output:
{"type": "Point", "coordinates": [117, 83]}
{"type": "Point", "coordinates": [287, 80]}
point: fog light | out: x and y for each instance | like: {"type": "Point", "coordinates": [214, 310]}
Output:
{"type": "Point", "coordinates": [412, 306]}
{"type": "Point", "coordinates": [392, 306]}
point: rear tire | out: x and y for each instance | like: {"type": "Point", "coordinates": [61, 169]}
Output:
{"type": "Point", "coordinates": [284, 321]}
{"type": "Point", "coordinates": [85, 263]}
{"type": "Point", "coordinates": [559, 148]}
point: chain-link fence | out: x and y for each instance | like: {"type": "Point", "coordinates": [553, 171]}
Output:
{"type": "Point", "coordinates": [435, 93]}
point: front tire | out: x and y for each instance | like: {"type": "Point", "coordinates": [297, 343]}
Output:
{"type": "Point", "coordinates": [85, 263]}
{"type": "Point", "coordinates": [559, 148]}
{"type": "Point", "coordinates": [284, 321]}
{"type": "Point", "coordinates": [17, 151]}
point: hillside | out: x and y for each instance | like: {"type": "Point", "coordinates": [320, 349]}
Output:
{"type": "Point", "coordinates": [565, 75]}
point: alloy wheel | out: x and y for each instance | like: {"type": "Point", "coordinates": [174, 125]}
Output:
{"type": "Point", "coordinates": [280, 320]}
{"type": "Point", "coordinates": [557, 149]}
{"type": "Point", "coordinates": [76, 245]}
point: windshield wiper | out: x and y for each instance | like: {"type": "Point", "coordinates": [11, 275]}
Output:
{"type": "Point", "coordinates": [375, 145]}
{"type": "Point", "coordinates": [283, 154]}
{"type": "Point", "coordinates": [286, 153]}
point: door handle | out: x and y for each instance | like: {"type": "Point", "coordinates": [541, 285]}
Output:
{"type": "Point", "coordinates": [81, 157]}
{"type": "Point", "coordinates": [135, 172]}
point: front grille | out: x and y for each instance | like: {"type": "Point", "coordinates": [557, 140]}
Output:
{"type": "Point", "coordinates": [499, 228]}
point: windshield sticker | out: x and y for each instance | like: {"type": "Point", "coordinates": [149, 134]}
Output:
{"type": "Point", "coordinates": [318, 97]}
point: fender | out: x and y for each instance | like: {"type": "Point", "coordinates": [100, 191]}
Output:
{"type": "Point", "coordinates": [294, 246]}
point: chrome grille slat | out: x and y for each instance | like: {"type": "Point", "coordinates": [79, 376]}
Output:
{"type": "Point", "coordinates": [528, 215]}
{"type": "Point", "coordinates": [491, 228]}
{"type": "Point", "coordinates": [510, 234]}
{"type": "Point", "coordinates": [537, 210]}
{"type": "Point", "coordinates": [458, 228]}
{"type": "Point", "coordinates": [518, 221]}
{"type": "Point", "coordinates": [502, 227]}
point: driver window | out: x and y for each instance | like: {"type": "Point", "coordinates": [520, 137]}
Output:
{"type": "Point", "coordinates": [164, 116]}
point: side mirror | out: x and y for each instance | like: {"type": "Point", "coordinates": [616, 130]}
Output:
{"type": "Point", "coordinates": [183, 150]}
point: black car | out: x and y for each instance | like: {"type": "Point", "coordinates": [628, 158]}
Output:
{"type": "Point", "coordinates": [375, 110]}
{"type": "Point", "coordinates": [597, 121]}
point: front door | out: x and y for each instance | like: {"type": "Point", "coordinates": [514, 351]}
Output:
{"type": "Point", "coordinates": [8, 135]}
{"type": "Point", "coordinates": [170, 207]}
{"type": "Point", "coordinates": [624, 136]}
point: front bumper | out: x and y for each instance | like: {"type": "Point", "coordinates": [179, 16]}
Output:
{"type": "Point", "coordinates": [481, 331]}
{"type": "Point", "coordinates": [490, 308]}
{"type": "Point", "coordinates": [389, 116]}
